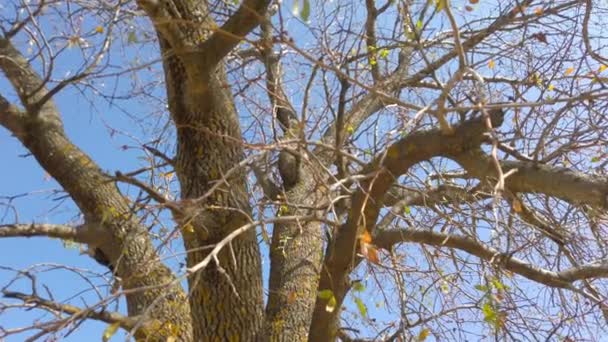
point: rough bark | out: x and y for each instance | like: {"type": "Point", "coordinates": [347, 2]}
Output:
{"type": "Point", "coordinates": [295, 263]}
{"type": "Point", "coordinates": [226, 297]}
{"type": "Point", "coordinates": [296, 247]}
{"type": "Point", "coordinates": [560, 182]}
{"type": "Point", "coordinates": [124, 242]}
{"type": "Point", "coordinates": [366, 204]}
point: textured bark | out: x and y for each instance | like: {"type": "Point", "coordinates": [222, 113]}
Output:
{"type": "Point", "coordinates": [209, 146]}
{"type": "Point", "coordinates": [226, 297]}
{"type": "Point", "coordinates": [296, 247]}
{"type": "Point", "coordinates": [126, 244]}
{"type": "Point", "coordinates": [295, 262]}
{"type": "Point", "coordinates": [340, 256]}
{"type": "Point", "coordinates": [560, 182]}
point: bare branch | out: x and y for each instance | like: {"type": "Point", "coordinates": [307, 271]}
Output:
{"type": "Point", "coordinates": [560, 182]}
{"type": "Point", "coordinates": [366, 203]}
{"type": "Point", "coordinates": [109, 317]}
{"type": "Point", "coordinates": [563, 279]}
{"type": "Point", "coordinates": [60, 231]}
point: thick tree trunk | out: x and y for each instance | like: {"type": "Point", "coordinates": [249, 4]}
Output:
{"type": "Point", "coordinates": [295, 263]}
{"type": "Point", "coordinates": [226, 299]}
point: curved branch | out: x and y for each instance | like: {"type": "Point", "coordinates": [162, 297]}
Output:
{"type": "Point", "coordinates": [184, 24]}
{"type": "Point", "coordinates": [368, 200]}
{"type": "Point", "coordinates": [41, 131]}
{"type": "Point", "coordinates": [586, 40]}
{"type": "Point", "coordinates": [563, 279]}
{"type": "Point", "coordinates": [566, 184]}
{"type": "Point", "coordinates": [246, 18]}
{"type": "Point", "coordinates": [109, 317]}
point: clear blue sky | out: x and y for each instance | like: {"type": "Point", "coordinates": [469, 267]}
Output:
{"type": "Point", "coordinates": [86, 124]}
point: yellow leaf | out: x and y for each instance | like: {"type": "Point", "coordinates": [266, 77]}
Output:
{"type": "Point", "coordinates": [169, 175]}
{"type": "Point", "coordinates": [491, 64]}
{"type": "Point", "coordinates": [424, 333]}
{"type": "Point", "coordinates": [366, 237]}
{"type": "Point", "coordinates": [602, 68]}
{"type": "Point", "coordinates": [331, 304]}
{"type": "Point", "coordinates": [569, 71]}
{"type": "Point", "coordinates": [517, 207]}
{"type": "Point", "coordinates": [550, 87]}
{"type": "Point", "coordinates": [440, 5]}
{"type": "Point", "coordinates": [110, 331]}
{"type": "Point", "coordinates": [538, 11]}
{"type": "Point", "coordinates": [370, 252]}
{"type": "Point", "coordinates": [366, 248]}
{"type": "Point", "coordinates": [99, 29]}
{"type": "Point", "coordinates": [536, 79]}
{"type": "Point", "coordinates": [188, 228]}
{"type": "Point", "coordinates": [283, 209]}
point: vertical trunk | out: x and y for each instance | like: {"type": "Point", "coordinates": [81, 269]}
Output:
{"type": "Point", "coordinates": [295, 254]}
{"type": "Point", "coordinates": [226, 299]}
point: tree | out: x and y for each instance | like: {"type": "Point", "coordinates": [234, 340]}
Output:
{"type": "Point", "coordinates": [441, 160]}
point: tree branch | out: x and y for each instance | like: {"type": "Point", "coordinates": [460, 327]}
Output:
{"type": "Point", "coordinates": [133, 259]}
{"type": "Point", "coordinates": [223, 40]}
{"type": "Point", "coordinates": [11, 117]}
{"type": "Point", "coordinates": [125, 322]}
{"type": "Point", "coordinates": [368, 200]}
{"type": "Point", "coordinates": [566, 184]}
{"type": "Point", "coordinates": [563, 279]}
{"type": "Point", "coordinates": [372, 102]}
{"type": "Point", "coordinates": [59, 231]}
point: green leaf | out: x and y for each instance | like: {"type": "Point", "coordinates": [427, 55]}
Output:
{"type": "Point", "coordinates": [481, 288]}
{"type": "Point", "coordinates": [295, 10]}
{"type": "Point", "coordinates": [595, 159]}
{"type": "Point", "coordinates": [361, 306]}
{"type": "Point", "coordinates": [407, 209]}
{"type": "Point", "coordinates": [445, 287]}
{"type": "Point", "coordinates": [131, 37]}
{"type": "Point", "coordinates": [497, 284]}
{"type": "Point", "coordinates": [331, 304]}
{"type": "Point", "coordinates": [419, 25]}
{"type": "Point", "coordinates": [489, 314]}
{"type": "Point", "coordinates": [305, 14]}
{"type": "Point", "coordinates": [331, 299]}
{"type": "Point", "coordinates": [384, 53]}
{"type": "Point", "coordinates": [358, 286]}
{"type": "Point", "coordinates": [325, 294]}
{"type": "Point", "coordinates": [110, 331]}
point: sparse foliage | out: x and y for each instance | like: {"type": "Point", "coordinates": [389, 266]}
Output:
{"type": "Point", "coordinates": [399, 170]}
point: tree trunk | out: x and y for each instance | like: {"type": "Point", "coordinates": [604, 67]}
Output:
{"type": "Point", "coordinates": [209, 145]}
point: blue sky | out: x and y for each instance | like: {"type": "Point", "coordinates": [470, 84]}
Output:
{"type": "Point", "coordinates": [102, 129]}
{"type": "Point", "coordinates": [97, 127]}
